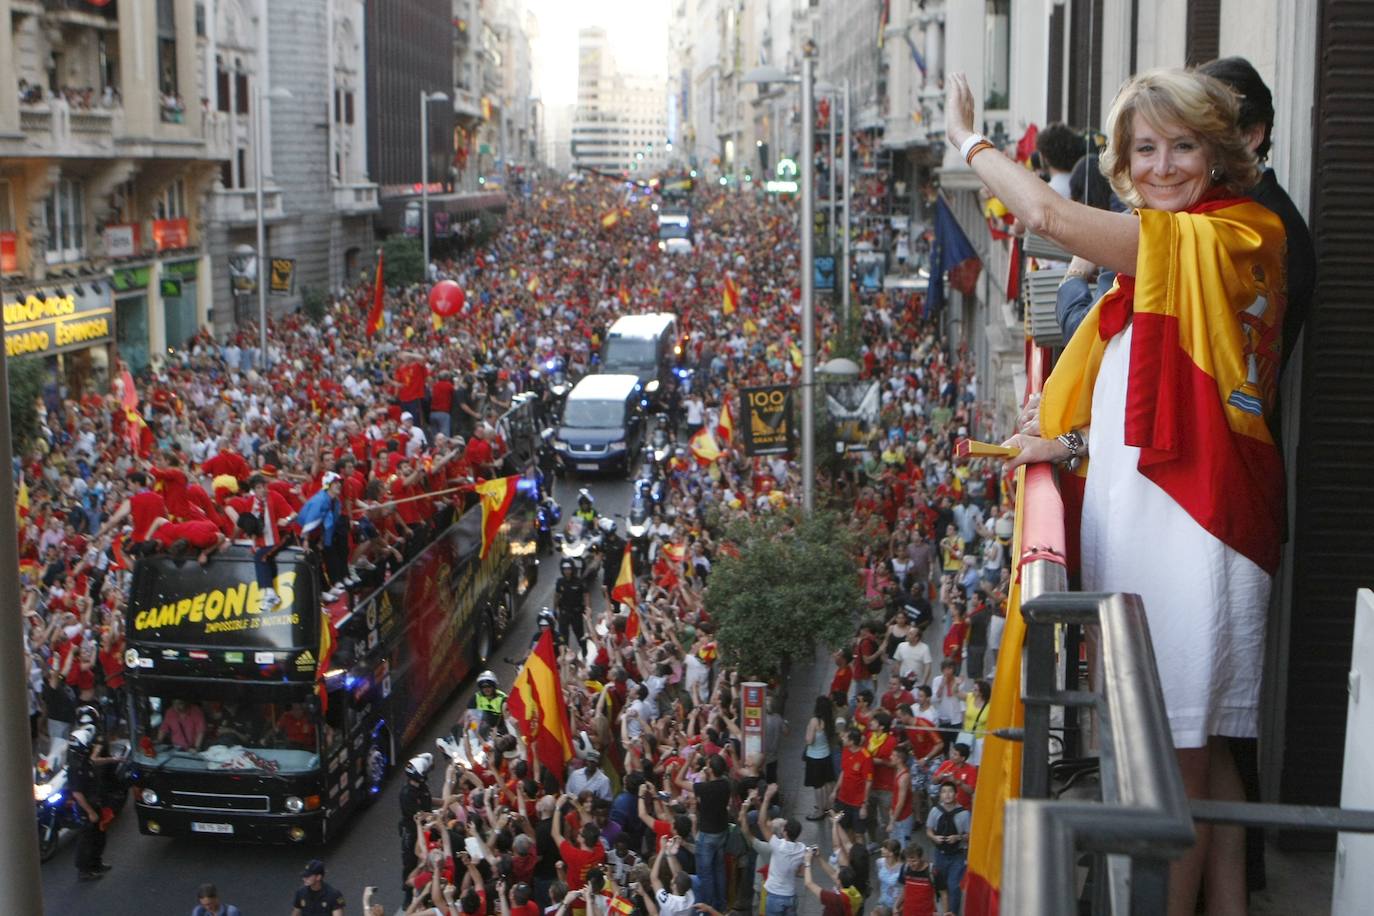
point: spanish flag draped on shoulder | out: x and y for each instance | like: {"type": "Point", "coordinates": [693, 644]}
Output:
{"type": "Point", "coordinates": [536, 703]}
{"type": "Point", "coordinates": [375, 318]}
{"type": "Point", "coordinates": [624, 593]}
{"type": "Point", "coordinates": [496, 496]}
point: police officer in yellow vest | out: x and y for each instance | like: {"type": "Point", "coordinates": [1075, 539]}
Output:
{"type": "Point", "coordinates": [490, 702]}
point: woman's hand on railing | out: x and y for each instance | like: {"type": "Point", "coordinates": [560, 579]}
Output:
{"type": "Point", "coordinates": [1035, 450]}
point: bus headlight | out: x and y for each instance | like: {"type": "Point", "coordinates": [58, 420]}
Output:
{"type": "Point", "coordinates": [148, 797]}
{"type": "Point", "coordinates": [294, 804]}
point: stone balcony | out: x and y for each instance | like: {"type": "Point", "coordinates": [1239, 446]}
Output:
{"type": "Point", "coordinates": [238, 206]}
{"type": "Point", "coordinates": [352, 199]}
{"type": "Point", "coordinates": [58, 130]}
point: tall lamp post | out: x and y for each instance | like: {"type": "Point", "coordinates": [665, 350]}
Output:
{"type": "Point", "coordinates": [278, 94]}
{"type": "Point", "coordinates": [808, 227]}
{"type": "Point", "coordinates": [425, 99]}
{"type": "Point", "coordinates": [843, 92]}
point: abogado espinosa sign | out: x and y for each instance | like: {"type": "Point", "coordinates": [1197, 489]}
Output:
{"type": "Point", "coordinates": [46, 322]}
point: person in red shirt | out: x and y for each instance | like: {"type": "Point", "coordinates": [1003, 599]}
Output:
{"type": "Point", "coordinates": [172, 484]}
{"type": "Point", "coordinates": [958, 772]}
{"type": "Point", "coordinates": [856, 782]}
{"type": "Point", "coordinates": [899, 693]}
{"type": "Point", "coordinates": [441, 404]}
{"type": "Point", "coordinates": [882, 748]}
{"type": "Point", "coordinates": [411, 376]}
{"type": "Point", "coordinates": [844, 674]}
{"type": "Point", "coordinates": [295, 726]}
{"type": "Point", "coordinates": [202, 534]}
{"type": "Point", "coordinates": [142, 509]}
{"type": "Point", "coordinates": [917, 894]}
{"type": "Point", "coordinates": [581, 857]}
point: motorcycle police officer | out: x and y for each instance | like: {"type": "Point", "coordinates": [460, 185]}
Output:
{"type": "Point", "coordinates": [586, 507]}
{"type": "Point", "coordinates": [570, 595]}
{"type": "Point", "coordinates": [415, 800]}
{"type": "Point", "coordinates": [612, 553]}
{"type": "Point", "coordinates": [84, 784]}
{"type": "Point", "coordinates": [490, 701]}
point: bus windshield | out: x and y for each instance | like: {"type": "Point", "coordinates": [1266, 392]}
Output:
{"type": "Point", "coordinates": [182, 733]}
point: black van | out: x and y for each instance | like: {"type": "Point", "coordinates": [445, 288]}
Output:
{"type": "Point", "coordinates": [602, 427]}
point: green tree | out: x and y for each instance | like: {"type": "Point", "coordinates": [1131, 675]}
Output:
{"type": "Point", "coordinates": [315, 302]}
{"type": "Point", "coordinates": [26, 384]}
{"type": "Point", "coordinates": [405, 260]}
{"type": "Point", "coordinates": [794, 585]}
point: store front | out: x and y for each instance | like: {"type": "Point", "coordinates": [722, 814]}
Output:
{"type": "Point", "coordinates": [71, 327]}
{"type": "Point", "coordinates": [131, 315]}
{"type": "Point", "coordinates": [178, 286]}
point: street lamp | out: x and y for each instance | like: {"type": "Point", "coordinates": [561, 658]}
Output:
{"type": "Point", "coordinates": [278, 94]}
{"type": "Point", "coordinates": [770, 74]}
{"type": "Point", "coordinates": [425, 99]}
{"type": "Point", "coordinates": [842, 89]}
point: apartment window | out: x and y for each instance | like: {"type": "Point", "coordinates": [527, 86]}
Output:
{"type": "Point", "coordinates": [241, 95]}
{"type": "Point", "coordinates": [6, 207]}
{"type": "Point", "coordinates": [997, 55]}
{"type": "Point", "coordinates": [221, 89]}
{"type": "Point", "coordinates": [171, 203]}
{"type": "Point", "coordinates": [167, 47]}
{"type": "Point", "coordinates": [64, 216]}
{"type": "Point", "coordinates": [348, 108]}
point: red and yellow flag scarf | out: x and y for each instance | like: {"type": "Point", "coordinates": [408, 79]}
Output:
{"type": "Point", "coordinates": [1207, 306]}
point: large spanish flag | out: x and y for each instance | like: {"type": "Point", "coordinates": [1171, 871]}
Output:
{"type": "Point", "coordinates": [536, 702]}
{"type": "Point", "coordinates": [704, 446]}
{"type": "Point", "coordinates": [496, 496]}
{"type": "Point", "coordinates": [375, 318]}
{"type": "Point", "coordinates": [729, 300]}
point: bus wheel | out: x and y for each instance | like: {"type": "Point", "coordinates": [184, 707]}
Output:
{"type": "Point", "coordinates": [49, 832]}
{"type": "Point", "coordinates": [505, 613]}
{"type": "Point", "coordinates": [483, 641]}
{"type": "Point", "coordinates": [379, 759]}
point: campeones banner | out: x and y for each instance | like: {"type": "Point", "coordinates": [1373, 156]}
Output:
{"type": "Point", "coordinates": [218, 605]}
{"type": "Point", "coordinates": [767, 420]}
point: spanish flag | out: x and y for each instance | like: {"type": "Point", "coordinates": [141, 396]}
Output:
{"type": "Point", "coordinates": [533, 284]}
{"type": "Point", "coordinates": [624, 593]}
{"type": "Point", "coordinates": [140, 436]}
{"type": "Point", "coordinates": [375, 318]}
{"type": "Point", "coordinates": [725, 429]}
{"type": "Point", "coordinates": [536, 702]}
{"type": "Point", "coordinates": [623, 294]}
{"type": "Point", "coordinates": [730, 298]}
{"type": "Point", "coordinates": [610, 218]}
{"type": "Point", "coordinates": [704, 447]}
{"type": "Point", "coordinates": [496, 496]}
{"type": "Point", "coordinates": [328, 640]}
{"type": "Point", "coordinates": [21, 502]}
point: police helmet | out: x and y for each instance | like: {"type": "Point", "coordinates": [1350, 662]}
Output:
{"type": "Point", "coordinates": [82, 737]}
{"type": "Point", "coordinates": [419, 765]}
{"type": "Point", "coordinates": [547, 618]}
{"type": "Point", "coordinates": [86, 714]}
{"type": "Point", "coordinates": [607, 525]}
{"type": "Point", "coordinates": [486, 679]}
{"type": "Point", "coordinates": [585, 496]}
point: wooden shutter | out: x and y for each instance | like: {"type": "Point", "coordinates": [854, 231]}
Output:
{"type": "Point", "coordinates": [1054, 61]}
{"type": "Point", "coordinates": [1204, 31]}
{"type": "Point", "coordinates": [1335, 487]}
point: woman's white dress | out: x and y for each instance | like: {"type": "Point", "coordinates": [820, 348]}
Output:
{"type": "Point", "coordinates": [1206, 603]}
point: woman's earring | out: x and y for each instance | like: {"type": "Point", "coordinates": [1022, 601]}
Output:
{"type": "Point", "coordinates": [1216, 173]}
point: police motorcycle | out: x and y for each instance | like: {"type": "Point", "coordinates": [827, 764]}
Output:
{"type": "Point", "coordinates": [558, 384]}
{"type": "Point", "coordinates": [661, 441]}
{"type": "Point", "coordinates": [547, 515]}
{"type": "Point", "coordinates": [55, 809]}
{"type": "Point", "coordinates": [579, 541]}
{"type": "Point", "coordinates": [639, 523]}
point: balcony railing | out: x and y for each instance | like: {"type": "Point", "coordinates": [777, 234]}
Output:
{"type": "Point", "coordinates": [238, 206]}
{"type": "Point", "coordinates": [60, 129]}
{"type": "Point", "coordinates": [356, 198]}
{"type": "Point", "coordinates": [1143, 817]}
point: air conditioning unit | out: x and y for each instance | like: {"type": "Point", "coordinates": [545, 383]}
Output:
{"type": "Point", "coordinates": [1037, 246]}
{"type": "Point", "coordinates": [1040, 289]}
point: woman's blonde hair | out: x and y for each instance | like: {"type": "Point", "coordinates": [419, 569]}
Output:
{"type": "Point", "coordinates": [1201, 104]}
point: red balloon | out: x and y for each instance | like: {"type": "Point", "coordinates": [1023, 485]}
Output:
{"type": "Point", "coordinates": [446, 299]}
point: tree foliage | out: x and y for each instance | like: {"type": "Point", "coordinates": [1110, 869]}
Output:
{"type": "Point", "coordinates": [794, 585]}
{"type": "Point", "coordinates": [405, 261]}
{"type": "Point", "coordinates": [25, 384]}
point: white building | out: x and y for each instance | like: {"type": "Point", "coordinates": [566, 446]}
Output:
{"type": "Point", "coordinates": [620, 123]}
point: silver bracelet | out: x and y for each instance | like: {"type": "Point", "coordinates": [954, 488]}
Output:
{"type": "Point", "coordinates": [969, 143]}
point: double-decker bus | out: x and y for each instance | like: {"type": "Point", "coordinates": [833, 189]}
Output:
{"type": "Point", "coordinates": [273, 726]}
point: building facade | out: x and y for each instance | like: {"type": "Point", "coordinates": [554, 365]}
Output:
{"type": "Point", "coordinates": [620, 123]}
{"type": "Point", "coordinates": [317, 199]}
{"type": "Point", "coordinates": [107, 152]}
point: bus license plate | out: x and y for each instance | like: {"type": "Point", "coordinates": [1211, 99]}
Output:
{"type": "Point", "coordinates": [200, 827]}
{"type": "Point", "coordinates": [588, 466]}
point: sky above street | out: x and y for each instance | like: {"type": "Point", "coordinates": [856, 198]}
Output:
{"type": "Point", "coordinates": [638, 31]}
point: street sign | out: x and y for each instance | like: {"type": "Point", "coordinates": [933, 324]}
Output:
{"type": "Point", "coordinates": [282, 281]}
{"type": "Point", "coordinates": [753, 699]}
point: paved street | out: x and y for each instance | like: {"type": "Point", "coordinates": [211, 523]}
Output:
{"type": "Point", "coordinates": [152, 876]}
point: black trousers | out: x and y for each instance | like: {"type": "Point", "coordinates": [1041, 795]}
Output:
{"type": "Point", "coordinates": [90, 847]}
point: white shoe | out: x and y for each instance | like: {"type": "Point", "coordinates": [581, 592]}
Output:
{"type": "Point", "coordinates": [269, 599]}
{"type": "Point", "coordinates": [334, 594]}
